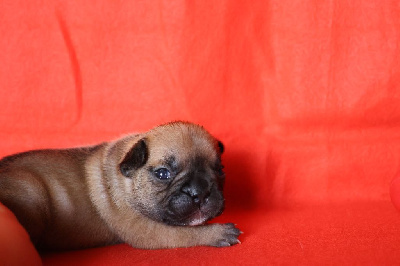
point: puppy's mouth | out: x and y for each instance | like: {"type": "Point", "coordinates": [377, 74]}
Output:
{"type": "Point", "coordinates": [197, 218]}
{"type": "Point", "coordinates": [194, 215]}
{"type": "Point", "coordinates": [200, 217]}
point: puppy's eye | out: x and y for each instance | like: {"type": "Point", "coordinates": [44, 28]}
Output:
{"type": "Point", "coordinates": [220, 170]}
{"type": "Point", "coordinates": [162, 173]}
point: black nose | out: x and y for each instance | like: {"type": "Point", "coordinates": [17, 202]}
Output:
{"type": "Point", "coordinates": [197, 189]}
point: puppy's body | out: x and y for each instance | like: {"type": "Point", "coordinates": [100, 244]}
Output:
{"type": "Point", "coordinates": [142, 189]}
{"type": "Point", "coordinates": [50, 197]}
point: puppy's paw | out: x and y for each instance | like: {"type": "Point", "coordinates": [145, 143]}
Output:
{"type": "Point", "coordinates": [225, 235]}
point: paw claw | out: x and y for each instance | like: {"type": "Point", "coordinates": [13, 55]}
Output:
{"type": "Point", "coordinates": [223, 243]}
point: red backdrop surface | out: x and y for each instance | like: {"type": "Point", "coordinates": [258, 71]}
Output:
{"type": "Point", "coordinates": [304, 94]}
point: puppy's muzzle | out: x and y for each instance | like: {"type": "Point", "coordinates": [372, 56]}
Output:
{"type": "Point", "coordinates": [198, 190]}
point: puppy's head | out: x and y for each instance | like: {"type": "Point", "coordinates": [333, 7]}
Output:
{"type": "Point", "coordinates": [174, 174]}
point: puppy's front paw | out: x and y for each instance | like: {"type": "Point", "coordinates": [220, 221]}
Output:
{"type": "Point", "coordinates": [225, 235]}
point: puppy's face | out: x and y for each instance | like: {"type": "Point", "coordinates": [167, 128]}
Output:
{"type": "Point", "coordinates": [174, 175]}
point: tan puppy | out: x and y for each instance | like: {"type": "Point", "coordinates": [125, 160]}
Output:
{"type": "Point", "coordinates": [150, 190]}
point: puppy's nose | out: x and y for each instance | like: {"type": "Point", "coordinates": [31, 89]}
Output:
{"type": "Point", "coordinates": [197, 190]}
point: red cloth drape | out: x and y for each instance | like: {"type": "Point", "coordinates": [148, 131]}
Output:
{"type": "Point", "coordinates": [305, 96]}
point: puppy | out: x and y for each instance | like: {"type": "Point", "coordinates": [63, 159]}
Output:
{"type": "Point", "coordinates": [152, 190]}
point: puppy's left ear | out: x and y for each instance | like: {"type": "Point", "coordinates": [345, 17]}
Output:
{"type": "Point", "coordinates": [135, 158]}
{"type": "Point", "coordinates": [221, 147]}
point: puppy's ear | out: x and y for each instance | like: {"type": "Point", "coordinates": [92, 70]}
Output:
{"type": "Point", "coordinates": [135, 158]}
{"type": "Point", "coordinates": [221, 147]}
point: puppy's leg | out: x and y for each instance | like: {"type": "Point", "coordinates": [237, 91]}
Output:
{"type": "Point", "coordinates": [149, 234]}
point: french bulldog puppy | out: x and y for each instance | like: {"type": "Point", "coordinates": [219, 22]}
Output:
{"type": "Point", "coordinates": [151, 190]}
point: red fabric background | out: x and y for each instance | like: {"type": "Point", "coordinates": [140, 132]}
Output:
{"type": "Point", "coordinates": [304, 94]}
